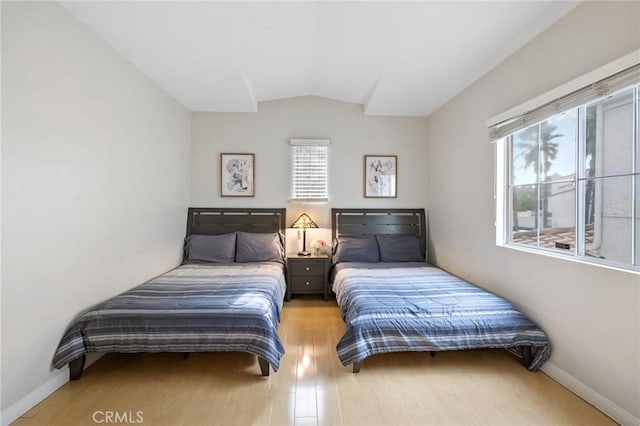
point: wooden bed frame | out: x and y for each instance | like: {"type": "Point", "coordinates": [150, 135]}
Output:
{"type": "Point", "coordinates": [361, 222]}
{"type": "Point", "coordinates": [214, 221]}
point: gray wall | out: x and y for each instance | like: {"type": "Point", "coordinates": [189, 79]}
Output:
{"type": "Point", "coordinates": [95, 185]}
{"type": "Point", "coordinates": [267, 133]}
{"type": "Point", "coordinates": [592, 314]}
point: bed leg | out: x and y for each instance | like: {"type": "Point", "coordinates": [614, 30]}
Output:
{"type": "Point", "coordinates": [76, 367]}
{"type": "Point", "coordinates": [264, 366]}
{"type": "Point", "coordinates": [527, 356]}
{"type": "Point", "coordinates": [356, 366]}
{"type": "Point", "coordinates": [185, 355]}
{"type": "Point", "coordinates": [432, 353]}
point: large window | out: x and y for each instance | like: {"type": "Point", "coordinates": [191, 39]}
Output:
{"type": "Point", "coordinates": [309, 169]}
{"type": "Point", "coordinates": [569, 184]}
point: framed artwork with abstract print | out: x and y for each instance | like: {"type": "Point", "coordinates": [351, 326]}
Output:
{"type": "Point", "coordinates": [237, 175]}
{"type": "Point", "coordinates": [380, 176]}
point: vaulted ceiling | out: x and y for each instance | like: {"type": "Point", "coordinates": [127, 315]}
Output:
{"type": "Point", "coordinates": [394, 58]}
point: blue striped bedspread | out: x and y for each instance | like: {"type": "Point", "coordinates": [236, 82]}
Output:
{"type": "Point", "coordinates": [192, 308]}
{"type": "Point", "coordinates": [426, 309]}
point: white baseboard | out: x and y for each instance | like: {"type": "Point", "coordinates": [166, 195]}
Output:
{"type": "Point", "coordinates": [13, 412]}
{"type": "Point", "coordinates": [60, 377]}
{"type": "Point", "coordinates": [603, 404]}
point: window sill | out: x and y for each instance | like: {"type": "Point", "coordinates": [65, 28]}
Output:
{"type": "Point", "coordinates": [595, 262]}
{"type": "Point", "coordinates": [309, 200]}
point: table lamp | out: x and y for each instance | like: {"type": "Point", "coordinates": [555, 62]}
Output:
{"type": "Point", "coordinates": [304, 221]}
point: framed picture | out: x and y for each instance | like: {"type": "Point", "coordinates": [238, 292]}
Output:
{"type": "Point", "coordinates": [237, 175]}
{"type": "Point", "coordinates": [380, 176]}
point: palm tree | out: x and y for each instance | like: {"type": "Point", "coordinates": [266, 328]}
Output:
{"type": "Point", "coordinates": [545, 153]}
{"type": "Point", "coordinates": [548, 149]}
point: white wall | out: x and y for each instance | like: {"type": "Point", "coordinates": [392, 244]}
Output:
{"type": "Point", "coordinates": [591, 314]}
{"type": "Point", "coordinates": [267, 133]}
{"type": "Point", "coordinates": [95, 185]}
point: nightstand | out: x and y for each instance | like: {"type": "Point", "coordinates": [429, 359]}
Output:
{"type": "Point", "coordinates": [308, 275]}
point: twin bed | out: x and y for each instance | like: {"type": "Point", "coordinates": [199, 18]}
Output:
{"type": "Point", "coordinates": [392, 300]}
{"type": "Point", "coordinates": [229, 292]}
{"type": "Point", "coordinates": [226, 296]}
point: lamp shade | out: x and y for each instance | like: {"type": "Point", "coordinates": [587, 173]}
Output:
{"type": "Point", "coordinates": [304, 221]}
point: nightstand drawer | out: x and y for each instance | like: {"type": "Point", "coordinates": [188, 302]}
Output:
{"type": "Point", "coordinates": [307, 284]}
{"type": "Point", "coordinates": [307, 268]}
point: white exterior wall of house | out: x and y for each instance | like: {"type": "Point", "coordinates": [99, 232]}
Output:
{"type": "Point", "coordinates": [562, 201]}
{"type": "Point", "coordinates": [612, 230]}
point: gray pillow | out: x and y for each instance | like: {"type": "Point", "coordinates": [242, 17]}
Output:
{"type": "Point", "coordinates": [356, 249]}
{"type": "Point", "coordinates": [252, 247]}
{"type": "Point", "coordinates": [210, 248]}
{"type": "Point", "coordinates": [400, 248]}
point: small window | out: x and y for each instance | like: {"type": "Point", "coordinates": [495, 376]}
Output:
{"type": "Point", "coordinates": [309, 169]}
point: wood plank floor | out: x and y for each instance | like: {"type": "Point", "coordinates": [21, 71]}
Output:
{"type": "Point", "coordinates": [486, 387]}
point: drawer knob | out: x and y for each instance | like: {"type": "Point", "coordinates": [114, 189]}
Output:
{"type": "Point", "coordinates": [307, 283]}
{"type": "Point", "coordinates": [307, 268]}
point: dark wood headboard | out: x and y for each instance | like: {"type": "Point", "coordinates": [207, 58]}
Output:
{"type": "Point", "coordinates": [213, 221]}
{"type": "Point", "coordinates": [360, 222]}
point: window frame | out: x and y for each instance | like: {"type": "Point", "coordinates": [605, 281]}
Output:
{"type": "Point", "coordinates": [503, 186]}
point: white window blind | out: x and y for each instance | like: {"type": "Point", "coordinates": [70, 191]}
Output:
{"type": "Point", "coordinates": [309, 169]}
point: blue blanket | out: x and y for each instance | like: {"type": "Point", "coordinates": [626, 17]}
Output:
{"type": "Point", "coordinates": [424, 308]}
{"type": "Point", "coordinates": [193, 308]}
